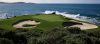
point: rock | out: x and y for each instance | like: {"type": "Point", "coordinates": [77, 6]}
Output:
{"type": "Point", "coordinates": [53, 13]}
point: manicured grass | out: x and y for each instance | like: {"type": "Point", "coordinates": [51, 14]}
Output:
{"type": "Point", "coordinates": [48, 22]}
{"type": "Point", "coordinates": [7, 23]}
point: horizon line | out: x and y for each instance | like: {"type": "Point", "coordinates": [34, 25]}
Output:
{"type": "Point", "coordinates": [51, 3]}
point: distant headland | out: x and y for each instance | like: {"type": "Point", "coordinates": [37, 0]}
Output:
{"type": "Point", "coordinates": [2, 2]}
{"type": "Point", "coordinates": [15, 3]}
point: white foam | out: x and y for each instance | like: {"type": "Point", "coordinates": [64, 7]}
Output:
{"type": "Point", "coordinates": [3, 15]}
{"type": "Point", "coordinates": [74, 16]}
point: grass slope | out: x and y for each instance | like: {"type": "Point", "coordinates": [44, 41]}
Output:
{"type": "Point", "coordinates": [47, 21]}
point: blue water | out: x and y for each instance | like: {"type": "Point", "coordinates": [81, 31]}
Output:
{"type": "Point", "coordinates": [89, 10]}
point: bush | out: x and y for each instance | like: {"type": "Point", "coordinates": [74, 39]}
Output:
{"type": "Point", "coordinates": [5, 41]}
{"type": "Point", "coordinates": [74, 30]}
{"type": "Point", "coordinates": [55, 36]}
{"type": "Point", "coordinates": [32, 40]}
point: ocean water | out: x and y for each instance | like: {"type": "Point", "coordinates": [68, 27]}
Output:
{"type": "Point", "coordinates": [86, 12]}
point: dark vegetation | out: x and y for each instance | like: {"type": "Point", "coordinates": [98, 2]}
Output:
{"type": "Point", "coordinates": [28, 25]}
{"type": "Point", "coordinates": [71, 23]}
{"type": "Point", "coordinates": [55, 36]}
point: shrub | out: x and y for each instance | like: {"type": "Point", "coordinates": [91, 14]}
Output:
{"type": "Point", "coordinates": [32, 40]}
{"type": "Point", "coordinates": [74, 30]}
{"type": "Point", "coordinates": [5, 41]}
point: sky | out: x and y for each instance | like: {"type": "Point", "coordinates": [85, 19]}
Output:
{"type": "Point", "coordinates": [55, 1]}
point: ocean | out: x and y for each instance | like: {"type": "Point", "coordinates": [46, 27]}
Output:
{"type": "Point", "coordinates": [86, 12]}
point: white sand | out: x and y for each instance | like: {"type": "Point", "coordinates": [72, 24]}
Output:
{"type": "Point", "coordinates": [29, 22]}
{"type": "Point", "coordinates": [85, 26]}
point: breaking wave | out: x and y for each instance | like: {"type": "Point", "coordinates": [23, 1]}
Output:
{"type": "Point", "coordinates": [3, 15]}
{"type": "Point", "coordinates": [75, 16]}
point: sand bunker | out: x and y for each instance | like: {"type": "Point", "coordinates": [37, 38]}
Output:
{"type": "Point", "coordinates": [31, 24]}
{"type": "Point", "coordinates": [85, 26]}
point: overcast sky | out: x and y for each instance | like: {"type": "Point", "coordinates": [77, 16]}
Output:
{"type": "Point", "coordinates": [54, 1]}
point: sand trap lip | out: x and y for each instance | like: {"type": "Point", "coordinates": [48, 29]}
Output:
{"type": "Point", "coordinates": [28, 22]}
{"type": "Point", "coordinates": [85, 26]}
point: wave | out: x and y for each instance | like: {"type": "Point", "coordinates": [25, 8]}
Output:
{"type": "Point", "coordinates": [75, 16]}
{"type": "Point", "coordinates": [3, 15]}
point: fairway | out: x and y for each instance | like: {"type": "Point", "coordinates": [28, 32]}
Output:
{"type": "Point", "coordinates": [49, 21]}
{"type": "Point", "coordinates": [49, 18]}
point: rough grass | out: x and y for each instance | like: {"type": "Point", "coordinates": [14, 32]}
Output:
{"type": "Point", "coordinates": [47, 21]}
